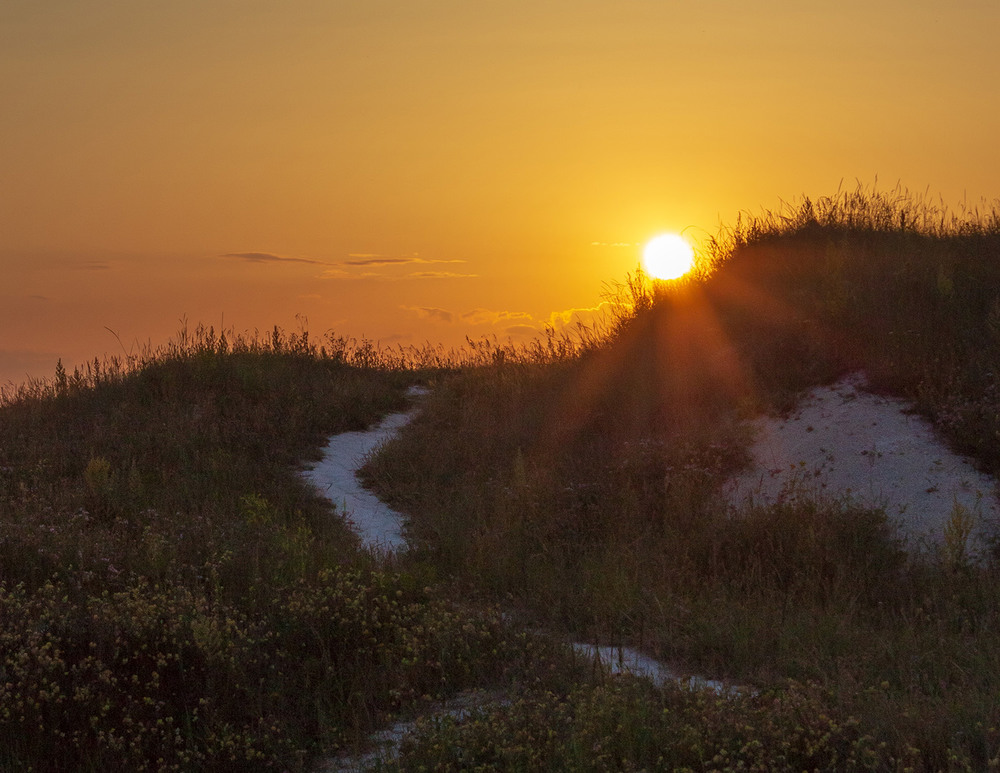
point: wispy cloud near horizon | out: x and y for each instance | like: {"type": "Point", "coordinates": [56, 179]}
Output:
{"type": "Point", "coordinates": [440, 275]}
{"type": "Point", "coordinates": [518, 324]}
{"type": "Point", "coordinates": [365, 259]}
{"type": "Point", "coordinates": [587, 315]}
{"type": "Point", "coordinates": [430, 312]}
{"type": "Point", "coordinates": [489, 317]}
{"type": "Point", "coordinates": [339, 274]}
{"type": "Point", "coordinates": [376, 261]}
{"type": "Point", "coordinates": [269, 257]}
{"type": "Point", "coordinates": [388, 268]}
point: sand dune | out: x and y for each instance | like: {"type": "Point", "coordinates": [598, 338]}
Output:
{"type": "Point", "coordinates": [842, 441]}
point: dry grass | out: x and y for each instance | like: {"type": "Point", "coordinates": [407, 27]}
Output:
{"type": "Point", "coordinates": [583, 493]}
{"type": "Point", "coordinates": [174, 597]}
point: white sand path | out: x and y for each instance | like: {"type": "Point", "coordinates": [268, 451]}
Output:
{"type": "Point", "coordinates": [335, 475]}
{"type": "Point", "coordinates": [381, 527]}
{"type": "Point", "coordinates": [840, 441]}
{"type": "Point", "coordinates": [843, 442]}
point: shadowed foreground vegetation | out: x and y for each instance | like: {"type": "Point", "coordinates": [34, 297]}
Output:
{"type": "Point", "coordinates": [173, 596]}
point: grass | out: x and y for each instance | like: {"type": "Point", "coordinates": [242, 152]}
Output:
{"type": "Point", "coordinates": [631, 726]}
{"type": "Point", "coordinates": [175, 597]}
{"type": "Point", "coordinates": [583, 493]}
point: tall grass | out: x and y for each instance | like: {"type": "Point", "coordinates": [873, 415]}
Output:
{"type": "Point", "coordinates": [886, 282]}
{"type": "Point", "coordinates": [583, 493]}
{"type": "Point", "coordinates": [175, 597]}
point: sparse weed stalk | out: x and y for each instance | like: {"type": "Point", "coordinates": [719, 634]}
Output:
{"type": "Point", "coordinates": [957, 532]}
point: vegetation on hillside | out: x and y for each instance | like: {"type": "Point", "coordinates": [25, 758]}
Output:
{"type": "Point", "coordinates": [174, 596]}
{"type": "Point", "coordinates": [584, 493]}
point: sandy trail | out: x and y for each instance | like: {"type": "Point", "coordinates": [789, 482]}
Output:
{"type": "Point", "coordinates": [335, 475]}
{"type": "Point", "coordinates": [843, 442]}
{"type": "Point", "coordinates": [381, 527]}
{"type": "Point", "coordinates": [840, 441]}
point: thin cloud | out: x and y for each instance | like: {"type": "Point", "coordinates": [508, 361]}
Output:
{"type": "Point", "coordinates": [489, 317]}
{"type": "Point", "coordinates": [517, 321]}
{"type": "Point", "coordinates": [379, 261]}
{"type": "Point", "coordinates": [396, 338]}
{"type": "Point", "coordinates": [362, 259]}
{"type": "Point", "coordinates": [340, 275]}
{"type": "Point", "coordinates": [441, 275]}
{"type": "Point", "coordinates": [268, 257]}
{"type": "Point", "coordinates": [587, 315]}
{"type": "Point", "coordinates": [432, 313]}
{"type": "Point", "coordinates": [355, 268]}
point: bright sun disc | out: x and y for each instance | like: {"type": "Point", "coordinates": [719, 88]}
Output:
{"type": "Point", "coordinates": [667, 257]}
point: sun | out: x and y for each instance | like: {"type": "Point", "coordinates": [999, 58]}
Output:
{"type": "Point", "coordinates": [667, 256]}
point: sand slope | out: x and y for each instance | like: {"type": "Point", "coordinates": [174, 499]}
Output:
{"type": "Point", "coordinates": [842, 441]}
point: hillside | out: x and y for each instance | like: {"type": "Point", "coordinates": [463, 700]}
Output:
{"type": "Point", "coordinates": [174, 596]}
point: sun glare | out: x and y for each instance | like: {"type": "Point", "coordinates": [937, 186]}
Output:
{"type": "Point", "coordinates": [667, 257]}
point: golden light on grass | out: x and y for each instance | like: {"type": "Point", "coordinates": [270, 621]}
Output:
{"type": "Point", "coordinates": [667, 256]}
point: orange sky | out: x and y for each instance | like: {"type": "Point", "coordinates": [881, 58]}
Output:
{"type": "Point", "coordinates": [414, 171]}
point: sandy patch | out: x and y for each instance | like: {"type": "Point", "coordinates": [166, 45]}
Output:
{"type": "Point", "coordinates": [626, 660]}
{"type": "Point", "coordinates": [844, 442]}
{"type": "Point", "coordinates": [379, 526]}
{"type": "Point", "coordinates": [385, 744]}
{"type": "Point", "coordinates": [335, 475]}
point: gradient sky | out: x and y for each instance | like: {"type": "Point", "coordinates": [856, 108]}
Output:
{"type": "Point", "coordinates": [417, 171]}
